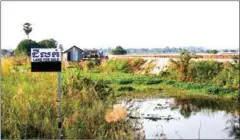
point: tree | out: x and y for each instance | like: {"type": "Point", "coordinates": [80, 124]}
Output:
{"type": "Point", "coordinates": [48, 43]}
{"type": "Point", "coordinates": [24, 47]}
{"type": "Point", "coordinates": [119, 51]}
{"type": "Point", "coordinates": [233, 50]}
{"type": "Point", "coordinates": [27, 28]}
{"type": "Point", "coordinates": [212, 51]}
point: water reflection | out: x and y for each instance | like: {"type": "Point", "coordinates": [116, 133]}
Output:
{"type": "Point", "coordinates": [209, 103]}
{"type": "Point", "coordinates": [233, 125]}
{"type": "Point", "coordinates": [185, 110]}
{"type": "Point", "coordinates": [180, 118]}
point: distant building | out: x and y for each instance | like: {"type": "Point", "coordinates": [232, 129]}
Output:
{"type": "Point", "coordinates": [5, 53]}
{"type": "Point", "coordinates": [91, 53]}
{"type": "Point", "coordinates": [73, 54]}
{"type": "Point", "coordinates": [101, 53]}
{"type": "Point", "coordinates": [76, 54]}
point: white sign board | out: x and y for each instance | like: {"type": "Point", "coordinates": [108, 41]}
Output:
{"type": "Point", "coordinates": [45, 55]}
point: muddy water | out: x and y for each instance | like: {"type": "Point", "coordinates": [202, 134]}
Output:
{"type": "Point", "coordinates": [182, 119]}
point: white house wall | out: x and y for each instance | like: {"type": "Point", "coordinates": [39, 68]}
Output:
{"type": "Point", "coordinates": [64, 56]}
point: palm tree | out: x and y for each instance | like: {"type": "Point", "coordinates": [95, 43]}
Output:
{"type": "Point", "coordinates": [27, 28]}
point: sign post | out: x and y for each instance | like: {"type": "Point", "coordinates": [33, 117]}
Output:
{"type": "Point", "coordinates": [59, 107]}
{"type": "Point", "coordinates": [49, 60]}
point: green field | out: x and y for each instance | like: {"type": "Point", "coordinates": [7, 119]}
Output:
{"type": "Point", "coordinates": [29, 107]}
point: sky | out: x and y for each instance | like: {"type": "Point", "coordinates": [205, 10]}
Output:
{"type": "Point", "coordinates": [130, 24]}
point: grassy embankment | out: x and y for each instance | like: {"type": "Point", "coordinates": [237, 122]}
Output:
{"type": "Point", "coordinates": [140, 86]}
{"type": "Point", "coordinates": [203, 79]}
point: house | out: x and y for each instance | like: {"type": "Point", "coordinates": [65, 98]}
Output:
{"type": "Point", "coordinates": [5, 53]}
{"type": "Point", "coordinates": [73, 54]}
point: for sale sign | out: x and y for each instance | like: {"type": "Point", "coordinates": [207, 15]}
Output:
{"type": "Point", "coordinates": [45, 60]}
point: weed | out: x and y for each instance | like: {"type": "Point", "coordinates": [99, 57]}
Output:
{"type": "Point", "coordinates": [126, 88]}
{"type": "Point", "coordinates": [151, 82]}
{"type": "Point", "coordinates": [124, 82]}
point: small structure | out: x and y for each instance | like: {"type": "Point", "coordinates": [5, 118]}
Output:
{"type": "Point", "coordinates": [91, 53]}
{"type": "Point", "coordinates": [73, 54]}
{"type": "Point", "coordinates": [6, 53]}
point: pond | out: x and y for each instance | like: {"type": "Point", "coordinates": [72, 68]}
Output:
{"type": "Point", "coordinates": [170, 118]}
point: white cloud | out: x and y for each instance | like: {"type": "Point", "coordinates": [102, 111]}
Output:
{"type": "Point", "coordinates": [130, 24]}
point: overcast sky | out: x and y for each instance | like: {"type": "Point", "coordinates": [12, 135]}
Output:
{"type": "Point", "coordinates": [135, 24]}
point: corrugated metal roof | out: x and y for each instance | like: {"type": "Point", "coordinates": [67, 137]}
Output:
{"type": "Point", "coordinates": [71, 48]}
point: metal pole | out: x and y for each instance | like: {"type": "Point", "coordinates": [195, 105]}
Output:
{"type": "Point", "coordinates": [59, 106]}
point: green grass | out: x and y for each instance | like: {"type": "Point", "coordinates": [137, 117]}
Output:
{"type": "Point", "coordinates": [29, 107]}
{"type": "Point", "coordinates": [153, 85]}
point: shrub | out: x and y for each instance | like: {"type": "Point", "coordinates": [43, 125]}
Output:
{"type": "Point", "coordinates": [139, 80]}
{"type": "Point", "coordinates": [137, 63]}
{"type": "Point", "coordinates": [228, 77]}
{"type": "Point", "coordinates": [90, 64]}
{"type": "Point", "coordinates": [218, 90]}
{"type": "Point", "coordinates": [75, 65]}
{"type": "Point", "coordinates": [194, 86]}
{"type": "Point", "coordinates": [107, 81]}
{"type": "Point", "coordinates": [210, 72]}
{"type": "Point", "coordinates": [151, 82]}
{"type": "Point", "coordinates": [20, 60]}
{"type": "Point", "coordinates": [169, 82]}
{"type": "Point", "coordinates": [213, 90]}
{"type": "Point", "coordinates": [204, 71]}
{"type": "Point", "coordinates": [126, 81]}
{"type": "Point", "coordinates": [122, 65]}
{"type": "Point", "coordinates": [178, 69]}
{"type": "Point", "coordinates": [126, 88]}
